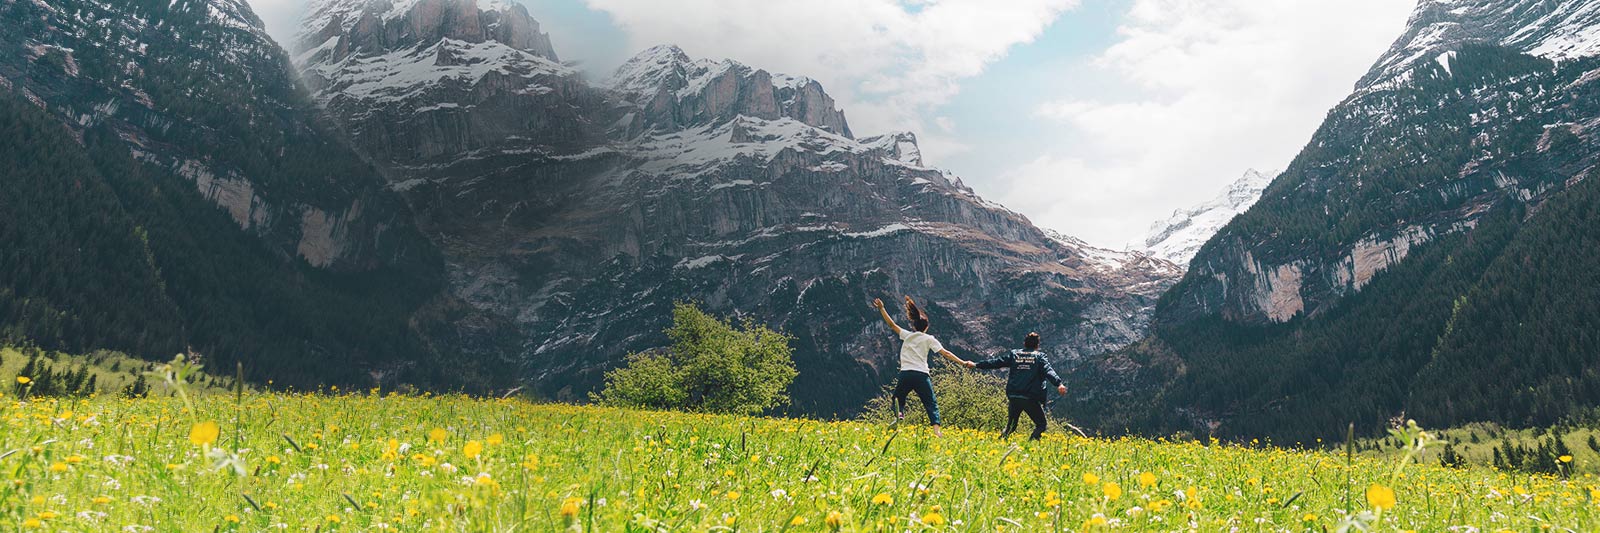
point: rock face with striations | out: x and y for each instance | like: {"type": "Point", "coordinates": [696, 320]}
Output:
{"type": "Point", "coordinates": [711, 181]}
{"type": "Point", "coordinates": [1422, 256]}
{"type": "Point", "coordinates": [227, 215]}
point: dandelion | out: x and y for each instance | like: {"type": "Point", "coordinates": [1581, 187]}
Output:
{"type": "Point", "coordinates": [1147, 479]}
{"type": "Point", "coordinates": [1566, 458]}
{"type": "Point", "coordinates": [204, 433]}
{"type": "Point", "coordinates": [231, 518]}
{"type": "Point", "coordinates": [58, 467]}
{"type": "Point", "coordinates": [1112, 491]}
{"type": "Point", "coordinates": [496, 439]}
{"type": "Point", "coordinates": [101, 500]}
{"type": "Point", "coordinates": [31, 523]}
{"type": "Point", "coordinates": [797, 521]}
{"type": "Point", "coordinates": [24, 380]}
{"type": "Point", "coordinates": [472, 450]}
{"type": "Point", "coordinates": [1098, 520]}
{"type": "Point", "coordinates": [1090, 479]}
{"type": "Point", "coordinates": [569, 507]}
{"type": "Point", "coordinates": [1380, 497]}
{"type": "Point", "coordinates": [437, 435]}
{"type": "Point", "coordinates": [1309, 517]}
{"type": "Point", "coordinates": [732, 495]}
{"type": "Point", "coordinates": [834, 519]}
{"type": "Point", "coordinates": [933, 518]}
{"type": "Point", "coordinates": [883, 498]}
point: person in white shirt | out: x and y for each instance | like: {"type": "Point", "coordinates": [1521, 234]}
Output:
{"type": "Point", "coordinates": [915, 346]}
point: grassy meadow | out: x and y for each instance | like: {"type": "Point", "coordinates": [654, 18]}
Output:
{"type": "Point", "coordinates": [344, 461]}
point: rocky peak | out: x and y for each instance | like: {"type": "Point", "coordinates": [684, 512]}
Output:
{"type": "Point", "coordinates": [674, 91]}
{"type": "Point", "coordinates": [1554, 30]}
{"type": "Point", "coordinates": [336, 29]}
{"type": "Point", "coordinates": [899, 146]}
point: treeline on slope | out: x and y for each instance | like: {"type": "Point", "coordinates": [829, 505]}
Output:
{"type": "Point", "coordinates": [101, 251]}
{"type": "Point", "coordinates": [1497, 323]}
{"type": "Point", "coordinates": [1342, 185]}
{"type": "Point", "coordinates": [1493, 323]}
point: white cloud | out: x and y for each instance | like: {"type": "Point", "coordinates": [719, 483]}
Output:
{"type": "Point", "coordinates": [888, 62]}
{"type": "Point", "coordinates": [1200, 91]}
{"type": "Point", "coordinates": [281, 17]}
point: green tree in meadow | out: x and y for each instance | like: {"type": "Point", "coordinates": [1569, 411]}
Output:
{"type": "Point", "coordinates": [713, 365]}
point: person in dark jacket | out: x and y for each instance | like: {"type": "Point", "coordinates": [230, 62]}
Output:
{"type": "Point", "coordinates": [1025, 387]}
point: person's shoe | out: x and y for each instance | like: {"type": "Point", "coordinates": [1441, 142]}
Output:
{"type": "Point", "coordinates": [938, 432]}
{"type": "Point", "coordinates": [895, 424]}
{"type": "Point", "coordinates": [1005, 435]}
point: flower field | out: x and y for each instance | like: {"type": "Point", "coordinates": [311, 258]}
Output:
{"type": "Point", "coordinates": [361, 462]}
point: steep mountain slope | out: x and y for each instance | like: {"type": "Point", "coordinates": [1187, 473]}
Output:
{"type": "Point", "coordinates": [1180, 236]}
{"type": "Point", "coordinates": [583, 211]}
{"type": "Point", "coordinates": [1392, 268]}
{"type": "Point", "coordinates": [171, 188]}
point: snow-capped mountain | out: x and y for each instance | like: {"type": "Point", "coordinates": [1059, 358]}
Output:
{"type": "Point", "coordinates": [194, 198]}
{"type": "Point", "coordinates": [1430, 252]}
{"type": "Point", "coordinates": [581, 211]}
{"type": "Point", "coordinates": [1180, 236]}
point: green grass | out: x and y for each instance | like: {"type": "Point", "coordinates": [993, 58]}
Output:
{"type": "Point", "coordinates": [359, 462]}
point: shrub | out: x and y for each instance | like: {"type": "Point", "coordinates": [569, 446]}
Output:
{"type": "Point", "coordinates": [967, 399]}
{"type": "Point", "coordinates": [712, 366]}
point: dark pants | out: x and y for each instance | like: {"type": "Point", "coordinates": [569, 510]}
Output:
{"type": "Point", "coordinates": [918, 382]}
{"type": "Point", "coordinates": [1017, 406]}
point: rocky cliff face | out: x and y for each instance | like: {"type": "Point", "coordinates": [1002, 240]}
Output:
{"type": "Point", "coordinates": [681, 179]}
{"type": "Point", "coordinates": [260, 236]}
{"type": "Point", "coordinates": [1180, 236]}
{"type": "Point", "coordinates": [1350, 214]}
{"type": "Point", "coordinates": [1381, 273]}
{"type": "Point", "coordinates": [129, 68]}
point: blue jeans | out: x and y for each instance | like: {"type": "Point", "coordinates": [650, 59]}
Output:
{"type": "Point", "coordinates": [913, 381]}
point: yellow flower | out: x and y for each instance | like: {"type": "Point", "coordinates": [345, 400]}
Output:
{"type": "Point", "coordinates": [1113, 491]}
{"type": "Point", "coordinates": [232, 518]}
{"type": "Point", "coordinates": [472, 450]}
{"type": "Point", "coordinates": [798, 521]}
{"type": "Point", "coordinates": [58, 467]}
{"type": "Point", "coordinates": [496, 439]}
{"type": "Point", "coordinates": [1146, 479]}
{"type": "Point", "coordinates": [75, 459]}
{"type": "Point", "coordinates": [334, 518]}
{"type": "Point", "coordinates": [101, 500]}
{"type": "Point", "coordinates": [933, 519]}
{"type": "Point", "coordinates": [47, 515]}
{"type": "Point", "coordinates": [1566, 458]}
{"type": "Point", "coordinates": [274, 459]}
{"type": "Point", "coordinates": [24, 380]}
{"type": "Point", "coordinates": [834, 519]}
{"type": "Point", "coordinates": [733, 495]}
{"type": "Point", "coordinates": [31, 523]}
{"type": "Point", "coordinates": [1380, 496]}
{"type": "Point", "coordinates": [204, 433]}
{"type": "Point", "coordinates": [1309, 518]}
{"type": "Point", "coordinates": [1090, 479]}
{"type": "Point", "coordinates": [569, 507]}
{"type": "Point", "coordinates": [1097, 520]}
{"type": "Point", "coordinates": [883, 498]}
{"type": "Point", "coordinates": [437, 435]}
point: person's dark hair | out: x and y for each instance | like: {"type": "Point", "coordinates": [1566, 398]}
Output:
{"type": "Point", "coordinates": [918, 322]}
{"type": "Point", "coordinates": [1031, 342]}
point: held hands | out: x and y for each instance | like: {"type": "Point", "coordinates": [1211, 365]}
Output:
{"type": "Point", "coordinates": [1061, 389]}
{"type": "Point", "coordinates": [969, 364]}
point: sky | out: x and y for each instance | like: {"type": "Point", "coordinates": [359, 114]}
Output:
{"type": "Point", "coordinates": [1094, 118]}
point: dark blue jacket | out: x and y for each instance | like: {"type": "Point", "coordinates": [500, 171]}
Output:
{"type": "Point", "coordinates": [1030, 371]}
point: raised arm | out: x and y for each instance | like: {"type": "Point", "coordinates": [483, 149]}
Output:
{"type": "Point", "coordinates": [952, 357]}
{"type": "Point", "coordinates": [881, 311]}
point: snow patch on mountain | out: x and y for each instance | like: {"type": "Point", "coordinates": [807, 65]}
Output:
{"type": "Point", "coordinates": [1553, 30]}
{"type": "Point", "coordinates": [1180, 236]}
